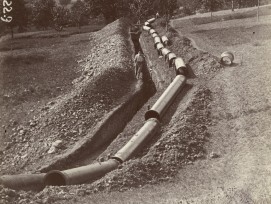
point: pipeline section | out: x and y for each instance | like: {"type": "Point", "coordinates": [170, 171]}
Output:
{"type": "Point", "coordinates": [150, 128]}
{"type": "Point", "coordinates": [81, 174]}
{"type": "Point", "coordinates": [23, 181]}
{"type": "Point", "coordinates": [159, 108]}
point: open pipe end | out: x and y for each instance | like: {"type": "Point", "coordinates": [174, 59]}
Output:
{"type": "Point", "coordinates": [152, 114]}
{"type": "Point", "coordinates": [55, 178]}
{"type": "Point", "coordinates": [180, 71]}
{"type": "Point", "coordinates": [117, 159]}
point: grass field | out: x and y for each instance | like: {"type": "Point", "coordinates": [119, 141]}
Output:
{"type": "Point", "coordinates": [243, 14]}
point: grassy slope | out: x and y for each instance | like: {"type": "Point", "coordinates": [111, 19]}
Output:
{"type": "Point", "coordinates": [35, 70]}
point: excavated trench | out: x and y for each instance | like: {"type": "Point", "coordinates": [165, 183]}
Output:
{"type": "Point", "coordinates": [115, 123]}
{"type": "Point", "coordinates": [161, 76]}
{"type": "Point", "coordinates": [146, 88]}
{"type": "Point", "coordinates": [136, 106]}
{"type": "Point", "coordinates": [152, 84]}
{"type": "Point", "coordinates": [126, 119]}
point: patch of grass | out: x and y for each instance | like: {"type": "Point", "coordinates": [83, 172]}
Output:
{"type": "Point", "coordinates": [66, 32]}
{"type": "Point", "coordinates": [236, 35]}
{"type": "Point", "coordinates": [44, 65]}
{"type": "Point", "coordinates": [25, 58]}
{"type": "Point", "coordinates": [257, 43]}
{"type": "Point", "coordinates": [248, 14]}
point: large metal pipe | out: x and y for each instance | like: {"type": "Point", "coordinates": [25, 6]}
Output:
{"type": "Point", "coordinates": [157, 40]}
{"type": "Point", "coordinates": [151, 20]}
{"type": "Point", "coordinates": [152, 31]}
{"type": "Point", "coordinates": [165, 52]}
{"type": "Point", "coordinates": [161, 105]}
{"type": "Point", "coordinates": [171, 57]}
{"type": "Point", "coordinates": [227, 58]}
{"type": "Point", "coordinates": [179, 66]}
{"type": "Point", "coordinates": [146, 28]}
{"type": "Point", "coordinates": [159, 46]}
{"type": "Point", "coordinates": [165, 39]}
{"type": "Point", "coordinates": [23, 181]}
{"type": "Point", "coordinates": [147, 23]}
{"type": "Point", "coordinates": [81, 174]}
{"type": "Point", "coordinates": [149, 129]}
{"type": "Point", "coordinates": [154, 35]}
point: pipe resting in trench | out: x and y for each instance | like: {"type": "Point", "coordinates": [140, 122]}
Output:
{"type": "Point", "coordinates": [164, 101]}
{"type": "Point", "coordinates": [87, 173]}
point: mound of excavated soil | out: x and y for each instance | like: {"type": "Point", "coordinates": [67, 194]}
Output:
{"type": "Point", "coordinates": [107, 77]}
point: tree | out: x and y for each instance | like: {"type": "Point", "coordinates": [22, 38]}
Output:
{"type": "Point", "coordinates": [140, 8]}
{"type": "Point", "coordinates": [78, 12]}
{"type": "Point", "coordinates": [190, 6]}
{"type": "Point", "coordinates": [64, 2]}
{"type": "Point", "coordinates": [108, 8]}
{"type": "Point", "coordinates": [19, 14]}
{"type": "Point", "coordinates": [43, 13]}
{"type": "Point", "coordinates": [62, 17]}
{"type": "Point", "coordinates": [166, 8]}
{"type": "Point", "coordinates": [212, 5]}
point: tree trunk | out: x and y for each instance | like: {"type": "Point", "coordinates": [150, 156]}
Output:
{"type": "Point", "coordinates": [239, 4]}
{"type": "Point", "coordinates": [232, 5]}
{"type": "Point", "coordinates": [258, 11]}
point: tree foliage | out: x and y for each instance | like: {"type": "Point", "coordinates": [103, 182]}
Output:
{"type": "Point", "coordinates": [79, 11]}
{"type": "Point", "coordinates": [140, 8]}
{"type": "Point", "coordinates": [62, 16]}
{"type": "Point", "coordinates": [43, 13]}
{"type": "Point", "coordinates": [108, 8]}
{"type": "Point", "coordinates": [64, 2]}
{"type": "Point", "coordinates": [211, 5]}
{"type": "Point", "coordinates": [165, 7]}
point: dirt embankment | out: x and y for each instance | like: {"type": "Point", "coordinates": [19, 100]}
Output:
{"type": "Point", "coordinates": [107, 79]}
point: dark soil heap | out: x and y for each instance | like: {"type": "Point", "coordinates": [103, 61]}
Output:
{"type": "Point", "coordinates": [107, 77]}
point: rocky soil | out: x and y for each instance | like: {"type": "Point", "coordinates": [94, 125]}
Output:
{"type": "Point", "coordinates": [106, 77]}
